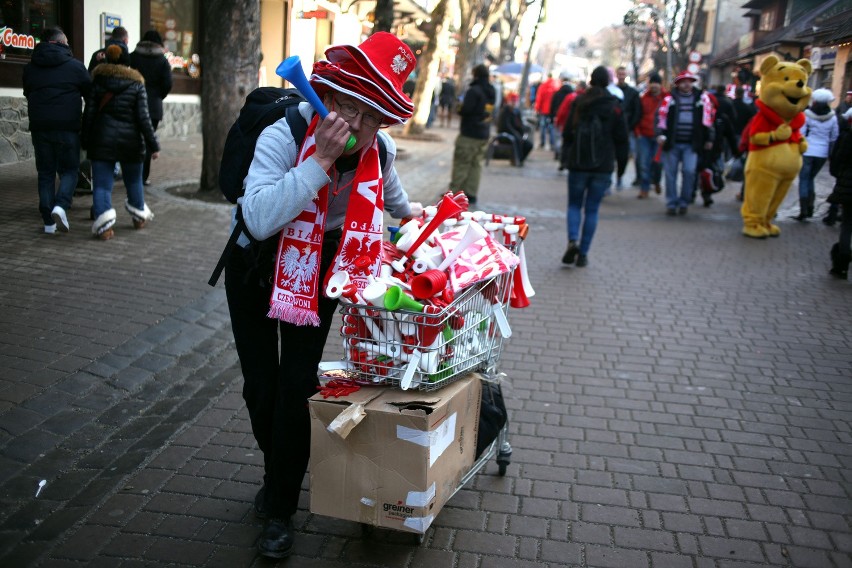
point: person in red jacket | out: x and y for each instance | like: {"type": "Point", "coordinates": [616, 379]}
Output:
{"type": "Point", "coordinates": [646, 139]}
{"type": "Point", "coordinates": [543, 96]}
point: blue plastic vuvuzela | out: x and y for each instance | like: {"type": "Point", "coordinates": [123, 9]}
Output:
{"type": "Point", "coordinates": [291, 70]}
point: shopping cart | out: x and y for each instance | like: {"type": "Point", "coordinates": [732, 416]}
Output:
{"type": "Point", "coordinates": [400, 343]}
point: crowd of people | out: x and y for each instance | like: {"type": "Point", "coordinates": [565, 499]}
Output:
{"type": "Point", "coordinates": [123, 93]}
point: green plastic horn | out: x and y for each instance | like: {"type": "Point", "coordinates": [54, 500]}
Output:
{"type": "Point", "coordinates": [396, 298]}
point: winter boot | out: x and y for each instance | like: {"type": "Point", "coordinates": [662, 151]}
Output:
{"type": "Point", "coordinates": [811, 200]}
{"type": "Point", "coordinates": [803, 210]}
{"type": "Point", "coordinates": [839, 263]}
{"type": "Point", "coordinates": [102, 227]}
{"type": "Point", "coordinates": [831, 218]}
{"type": "Point", "coordinates": [571, 253]}
{"type": "Point", "coordinates": [140, 216]}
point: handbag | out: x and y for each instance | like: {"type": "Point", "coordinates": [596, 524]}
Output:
{"type": "Point", "coordinates": [735, 169]}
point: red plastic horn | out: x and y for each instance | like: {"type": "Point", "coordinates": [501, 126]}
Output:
{"type": "Point", "coordinates": [519, 297]}
{"type": "Point", "coordinates": [446, 209]}
{"type": "Point", "coordinates": [428, 284]}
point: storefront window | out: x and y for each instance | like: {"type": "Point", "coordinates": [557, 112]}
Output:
{"type": "Point", "coordinates": [177, 22]}
{"type": "Point", "coordinates": [21, 24]}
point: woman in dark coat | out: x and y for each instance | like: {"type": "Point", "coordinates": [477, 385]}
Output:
{"type": "Point", "coordinates": [148, 58]}
{"type": "Point", "coordinates": [590, 169]}
{"type": "Point", "coordinates": [117, 128]}
{"type": "Point", "coordinates": [841, 168]}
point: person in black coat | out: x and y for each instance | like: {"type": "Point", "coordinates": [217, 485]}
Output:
{"type": "Point", "coordinates": [840, 167]}
{"type": "Point", "coordinates": [55, 84]}
{"type": "Point", "coordinates": [119, 37]}
{"type": "Point", "coordinates": [117, 128]}
{"type": "Point", "coordinates": [477, 110]}
{"type": "Point", "coordinates": [509, 121]}
{"type": "Point", "coordinates": [632, 106]}
{"type": "Point", "coordinates": [588, 180]}
{"type": "Point", "coordinates": [148, 58]}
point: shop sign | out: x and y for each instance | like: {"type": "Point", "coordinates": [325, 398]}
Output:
{"type": "Point", "coordinates": [8, 38]}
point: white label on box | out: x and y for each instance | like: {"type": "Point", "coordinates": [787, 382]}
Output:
{"type": "Point", "coordinates": [420, 498]}
{"type": "Point", "coordinates": [437, 441]}
{"type": "Point", "coordinates": [419, 524]}
{"type": "Point", "coordinates": [368, 502]}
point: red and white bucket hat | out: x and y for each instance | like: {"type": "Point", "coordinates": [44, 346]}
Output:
{"type": "Point", "coordinates": [685, 76]}
{"type": "Point", "coordinates": [374, 72]}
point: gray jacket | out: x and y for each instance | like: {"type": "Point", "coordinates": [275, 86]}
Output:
{"type": "Point", "coordinates": [276, 191]}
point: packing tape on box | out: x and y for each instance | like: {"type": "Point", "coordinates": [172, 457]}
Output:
{"type": "Point", "coordinates": [437, 440]}
{"type": "Point", "coordinates": [420, 498]}
{"type": "Point", "coordinates": [419, 524]}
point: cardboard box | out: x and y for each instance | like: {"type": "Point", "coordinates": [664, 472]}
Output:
{"type": "Point", "coordinates": [392, 458]}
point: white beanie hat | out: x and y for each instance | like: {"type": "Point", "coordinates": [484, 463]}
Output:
{"type": "Point", "coordinates": [822, 96]}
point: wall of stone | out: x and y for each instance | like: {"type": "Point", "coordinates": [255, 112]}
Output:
{"type": "Point", "coordinates": [179, 120]}
{"type": "Point", "coordinates": [15, 141]}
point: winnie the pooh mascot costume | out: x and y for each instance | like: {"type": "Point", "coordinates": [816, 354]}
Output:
{"type": "Point", "coordinates": [775, 143]}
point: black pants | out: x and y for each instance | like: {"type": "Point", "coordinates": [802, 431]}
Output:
{"type": "Point", "coordinates": [276, 387]}
{"type": "Point", "coordinates": [146, 167]}
{"type": "Point", "coordinates": [843, 242]}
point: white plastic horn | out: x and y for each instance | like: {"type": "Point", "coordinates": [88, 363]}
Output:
{"type": "Point", "coordinates": [473, 233]}
{"type": "Point", "coordinates": [336, 284]}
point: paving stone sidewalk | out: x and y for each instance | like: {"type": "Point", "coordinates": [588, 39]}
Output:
{"type": "Point", "coordinates": [685, 400]}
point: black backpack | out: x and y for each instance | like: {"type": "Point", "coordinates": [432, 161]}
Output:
{"type": "Point", "coordinates": [587, 153]}
{"type": "Point", "coordinates": [263, 107]}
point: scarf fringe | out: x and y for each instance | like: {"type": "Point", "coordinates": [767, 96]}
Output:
{"type": "Point", "coordinates": [294, 315]}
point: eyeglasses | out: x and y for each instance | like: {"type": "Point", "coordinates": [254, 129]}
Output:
{"type": "Point", "coordinates": [350, 112]}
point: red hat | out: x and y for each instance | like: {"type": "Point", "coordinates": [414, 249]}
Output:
{"type": "Point", "coordinates": [374, 72]}
{"type": "Point", "coordinates": [685, 76]}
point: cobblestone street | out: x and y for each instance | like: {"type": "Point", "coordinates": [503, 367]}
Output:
{"type": "Point", "coordinates": [683, 401]}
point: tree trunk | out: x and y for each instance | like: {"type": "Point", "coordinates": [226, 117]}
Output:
{"type": "Point", "coordinates": [384, 16]}
{"type": "Point", "coordinates": [229, 72]}
{"type": "Point", "coordinates": [425, 85]}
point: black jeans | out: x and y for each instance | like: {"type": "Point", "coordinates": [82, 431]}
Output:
{"type": "Point", "coordinates": [276, 387]}
{"type": "Point", "coordinates": [146, 168]}
{"type": "Point", "coordinates": [843, 242]}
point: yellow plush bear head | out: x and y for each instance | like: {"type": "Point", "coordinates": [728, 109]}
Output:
{"type": "Point", "coordinates": [784, 85]}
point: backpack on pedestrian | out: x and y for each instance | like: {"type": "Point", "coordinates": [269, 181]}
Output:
{"type": "Point", "coordinates": [263, 107]}
{"type": "Point", "coordinates": [586, 151]}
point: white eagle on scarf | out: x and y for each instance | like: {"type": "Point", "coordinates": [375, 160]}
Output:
{"type": "Point", "coordinates": [299, 269]}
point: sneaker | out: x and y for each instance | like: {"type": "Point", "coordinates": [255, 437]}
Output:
{"type": "Point", "coordinates": [60, 218]}
{"type": "Point", "coordinates": [582, 261]}
{"type": "Point", "coordinates": [671, 212]}
{"type": "Point", "coordinates": [50, 229]}
{"type": "Point", "coordinates": [642, 195]}
{"type": "Point", "coordinates": [681, 211]}
{"type": "Point", "coordinates": [571, 253]}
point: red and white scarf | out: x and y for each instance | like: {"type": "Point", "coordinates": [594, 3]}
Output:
{"type": "Point", "coordinates": [296, 289]}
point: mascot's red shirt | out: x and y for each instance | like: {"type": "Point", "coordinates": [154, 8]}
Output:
{"type": "Point", "coordinates": [767, 120]}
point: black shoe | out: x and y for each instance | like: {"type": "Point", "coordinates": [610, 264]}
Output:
{"type": "Point", "coordinates": [671, 212]}
{"type": "Point", "coordinates": [681, 211]}
{"type": "Point", "coordinates": [571, 253]}
{"type": "Point", "coordinates": [276, 540]}
{"type": "Point", "coordinates": [471, 199]}
{"type": "Point", "coordinates": [582, 261]}
{"type": "Point", "coordinates": [260, 503]}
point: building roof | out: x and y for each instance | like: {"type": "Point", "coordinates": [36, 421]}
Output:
{"type": "Point", "coordinates": [833, 28]}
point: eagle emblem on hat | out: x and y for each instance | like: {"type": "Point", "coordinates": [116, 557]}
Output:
{"type": "Point", "coordinates": [398, 64]}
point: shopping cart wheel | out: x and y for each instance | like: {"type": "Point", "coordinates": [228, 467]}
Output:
{"type": "Point", "coordinates": [504, 458]}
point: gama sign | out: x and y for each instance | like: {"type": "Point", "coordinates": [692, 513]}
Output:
{"type": "Point", "coordinates": [8, 38]}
